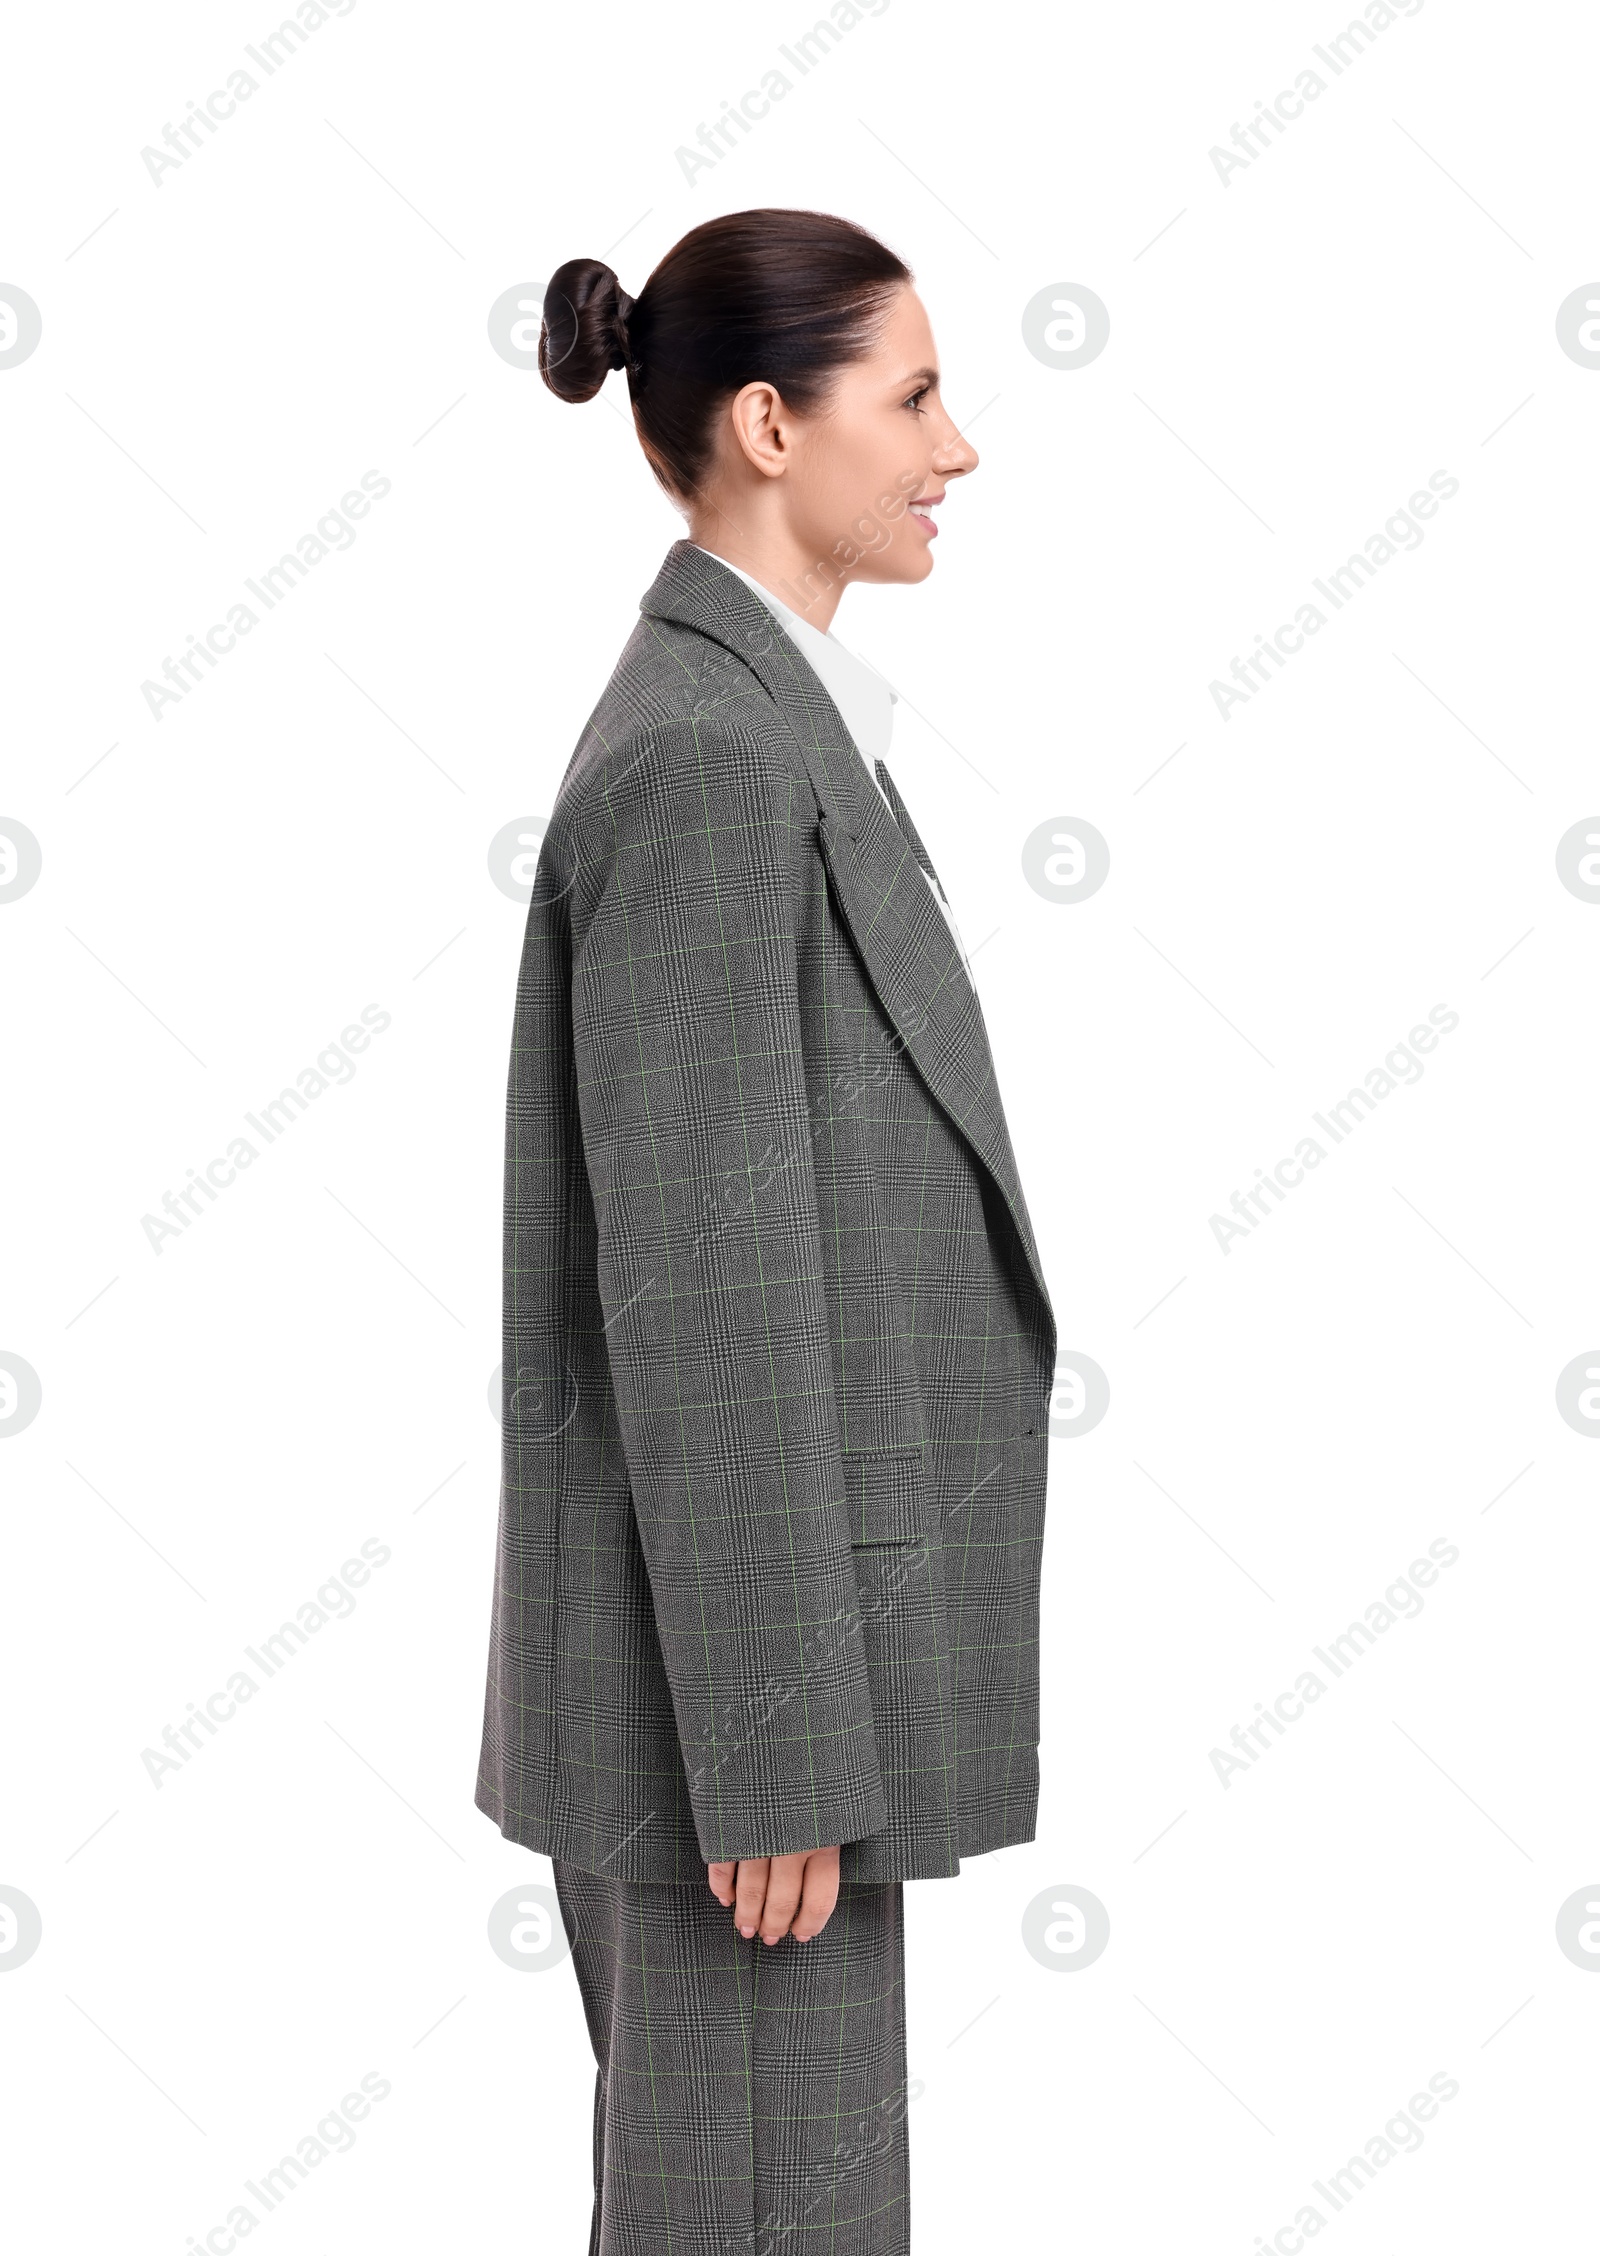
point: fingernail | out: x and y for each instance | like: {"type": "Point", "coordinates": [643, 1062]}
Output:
{"type": "Point", "coordinates": [747, 1931]}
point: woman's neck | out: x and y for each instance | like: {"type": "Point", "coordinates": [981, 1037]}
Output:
{"type": "Point", "coordinates": [807, 586]}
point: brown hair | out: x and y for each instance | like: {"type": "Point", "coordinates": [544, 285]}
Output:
{"type": "Point", "coordinates": [785, 296]}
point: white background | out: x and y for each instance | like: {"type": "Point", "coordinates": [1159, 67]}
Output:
{"type": "Point", "coordinates": [307, 1365]}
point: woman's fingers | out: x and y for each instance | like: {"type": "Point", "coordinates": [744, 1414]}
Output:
{"type": "Point", "coordinates": [750, 1893]}
{"type": "Point", "coordinates": [784, 1881]}
{"type": "Point", "coordinates": [818, 1896]}
{"type": "Point", "coordinates": [778, 1896]}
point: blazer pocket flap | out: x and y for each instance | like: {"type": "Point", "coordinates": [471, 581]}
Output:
{"type": "Point", "coordinates": [885, 1496]}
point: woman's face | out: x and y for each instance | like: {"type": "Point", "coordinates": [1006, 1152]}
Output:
{"type": "Point", "coordinates": [857, 485]}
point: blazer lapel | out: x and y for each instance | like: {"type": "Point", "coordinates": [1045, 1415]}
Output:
{"type": "Point", "coordinates": [875, 872]}
{"type": "Point", "coordinates": [903, 823]}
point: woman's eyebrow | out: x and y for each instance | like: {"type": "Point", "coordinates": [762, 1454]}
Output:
{"type": "Point", "coordinates": [921, 376]}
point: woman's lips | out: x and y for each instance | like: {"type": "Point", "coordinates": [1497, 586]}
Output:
{"type": "Point", "coordinates": [926, 523]}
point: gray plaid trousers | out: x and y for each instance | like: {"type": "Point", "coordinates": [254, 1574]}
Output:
{"type": "Point", "coordinates": [777, 1345]}
{"type": "Point", "coordinates": [750, 2098]}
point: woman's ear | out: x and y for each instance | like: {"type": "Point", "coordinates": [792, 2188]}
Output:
{"type": "Point", "coordinates": [761, 429]}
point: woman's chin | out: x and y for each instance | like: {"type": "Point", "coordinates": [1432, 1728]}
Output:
{"type": "Point", "coordinates": [900, 566]}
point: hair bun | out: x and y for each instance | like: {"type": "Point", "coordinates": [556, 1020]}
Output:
{"type": "Point", "coordinates": [585, 333]}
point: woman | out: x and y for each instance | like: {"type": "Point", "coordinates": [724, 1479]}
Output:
{"type": "Point", "coordinates": [778, 1349]}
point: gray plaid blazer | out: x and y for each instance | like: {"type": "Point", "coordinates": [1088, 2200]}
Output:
{"type": "Point", "coordinates": [778, 1348]}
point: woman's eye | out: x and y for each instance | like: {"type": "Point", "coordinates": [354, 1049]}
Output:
{"type": "Point", "coordinates": [917, 399]}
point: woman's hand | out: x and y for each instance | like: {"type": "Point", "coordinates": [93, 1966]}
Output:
{"type": "Point", "coordinates": [783, 1895]}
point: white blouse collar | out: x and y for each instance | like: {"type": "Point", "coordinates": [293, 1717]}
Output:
{"type": "Point", "coordinates": [865, 700]}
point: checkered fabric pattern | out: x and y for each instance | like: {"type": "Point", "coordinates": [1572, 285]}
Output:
{"type": "Point", "coordinates": [909, 832]}
{"type": "Point", "coordinates": [778, 1348]}
{"type": "Point", "coordinates": [749, 2098]}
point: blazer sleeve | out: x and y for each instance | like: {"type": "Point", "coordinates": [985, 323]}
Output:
{"type": "Point", "coordinates": [698, 1140]}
